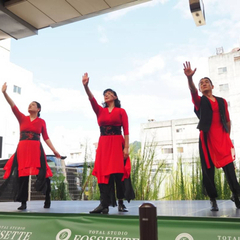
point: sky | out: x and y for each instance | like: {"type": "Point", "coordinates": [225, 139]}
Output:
{"type": "Point", "coordinates": [138, 52]}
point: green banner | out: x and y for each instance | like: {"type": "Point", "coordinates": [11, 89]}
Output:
{"type": "Point", "coordinates": [36, 226]}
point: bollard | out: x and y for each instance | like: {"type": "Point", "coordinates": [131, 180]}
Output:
{"type": "Point", "coordinates": [148, 222]}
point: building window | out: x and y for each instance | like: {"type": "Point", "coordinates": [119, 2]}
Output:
{"type": "Point", "coordinates": [167, 150]}
{"type": "Point", "coordinates": [224, 87]}
{"type": "Point", "coordinates": [75, 155]}
{"type": "Point", "coordinates": [180, 149]}
{"type": "Point", "coordinates": [16, 89]}
{"type": "Point", "coordinates": [179, 130]}
{"type": "Point", "coordinates": [222, 70]}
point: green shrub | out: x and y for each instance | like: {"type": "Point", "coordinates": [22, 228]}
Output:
{"type": "Point", "coordinates": [59, 187]}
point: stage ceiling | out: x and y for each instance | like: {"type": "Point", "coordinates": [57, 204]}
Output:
{"type": "Point", "coordinates": [23, 18]}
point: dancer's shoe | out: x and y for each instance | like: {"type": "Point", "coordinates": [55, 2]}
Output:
{"type": "Point", "coordinates": [214, 206]}
{"type": "Point", "coordinates": [23, 206]}
{"type": "Point", "coordinates": [47, 202]}
{"type": "Point", "coordinates": [121, 206]}
{"type": "Point", "coordinates": [100, 209]}
{"type": "Point", "coordinates": [235, 199]}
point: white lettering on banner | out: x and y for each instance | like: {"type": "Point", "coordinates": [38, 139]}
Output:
{"type": "Point", "coordinates": [93, 238]}
{"type": "Point", "coordinates": [96, 232]}
{"type": "Point", "coordinates": [17, 228]}
{"type": "Point", "coordinates": [94, 235]}
{"type": "Point", "coordinates": [15, 235]}
{"type": "Point", "coordinates": [117, 233]}
{"type": "Point", "coordinates": [27, 237]}
{"type": "Point", "coordinates": [64, 234]}
{"type": "Point", "coordinates": [85, 237]}
{"type": "Point", "coordinates": [184, 236]}
{"type": "Point", "coordinates": [3, 227]}
{"type": "Point", "coordinates": [101, 232]}
{"type": "Point", "coordinates": [228, 238]}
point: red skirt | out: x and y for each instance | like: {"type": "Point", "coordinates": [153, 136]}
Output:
{"type": "Point", "coordinates": [28, 159]}
{"type": "Point", "coordinates": [109, 158]}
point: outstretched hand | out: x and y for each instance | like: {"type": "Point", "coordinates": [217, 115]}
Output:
{"type": "Point", "coordinates": [57, 155]}
{"type": "Point", "coordinates": [187, 69]}
{"type": "Point", "coordinates": [4, 87]}
{"type": "Point", "coordinates": [125, 153]}
{"type": "Point", "coordinates": [85, 79]}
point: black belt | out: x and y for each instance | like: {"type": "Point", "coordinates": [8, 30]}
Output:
{"type": "Point", "coordinates": [29, 136]}
{"type": "Point", "coordinates": [110, 130]}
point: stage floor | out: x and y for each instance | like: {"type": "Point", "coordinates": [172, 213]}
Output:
{"type": "Point", "coordinates": [184, 208]}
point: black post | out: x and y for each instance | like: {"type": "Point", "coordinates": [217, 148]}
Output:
{"type": "Point", "coordinates": [148, 222]}
{"type": "Point", "coordinates": [1, 140]}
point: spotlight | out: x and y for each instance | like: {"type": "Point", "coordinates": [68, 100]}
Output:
{"type": "Point", "coordinates": [197, 10]}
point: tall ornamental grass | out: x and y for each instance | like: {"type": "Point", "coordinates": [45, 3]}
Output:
{"type": "Point", "coordinates": [186, 184]}
{"type": "Point", "coordinates": [150, 177]}
{"type": "Point", "coordinates": [146, 175]}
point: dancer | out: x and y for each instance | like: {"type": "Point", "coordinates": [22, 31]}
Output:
{"type": "Point", "coordinates": [215, 146]}
{"type": "Point", "coordinates": [112, 163]}
{"type": "Point", "coordinates": [29, 158]}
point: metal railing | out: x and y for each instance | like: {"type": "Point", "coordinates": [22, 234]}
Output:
{"type": "Point", "coordinates": [68, 177]}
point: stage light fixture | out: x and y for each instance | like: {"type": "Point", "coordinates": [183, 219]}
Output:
{"type": "Point", "coordinates": [197, 10]}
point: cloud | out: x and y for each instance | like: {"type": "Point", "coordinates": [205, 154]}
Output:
{"type": "Point", "coordinates": [120, 13]}
{"type": "Point", "coordinates": [103, 37]}
{"type": "Point", "coordinates": [147, 68]}
{"type": "Point", "coordinates": [183, 6]}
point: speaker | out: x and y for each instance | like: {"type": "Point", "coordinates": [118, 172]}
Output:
{"type": "Point", "coordinates": [197, 10]}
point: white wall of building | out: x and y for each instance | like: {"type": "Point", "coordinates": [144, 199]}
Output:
{"type": "Point", "coordinates": [174, 139]}
{"type": "Point", "coordinates": [224, 71]}
{"type": "Point", "coordinates": [14, 76]}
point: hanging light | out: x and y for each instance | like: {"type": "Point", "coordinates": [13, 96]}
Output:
{"type": "Point", "coordinates": [197, 10]}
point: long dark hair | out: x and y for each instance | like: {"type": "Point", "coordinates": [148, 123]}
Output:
{"type": "Point", "coordinates": [39, 107]}
{"type": "Point", "coordinates": [116, 101]}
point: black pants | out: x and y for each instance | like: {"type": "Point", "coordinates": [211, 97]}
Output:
{"type": "Point", "coordinates": [23, 189]}
{"type": "Point", "coordinates": [107, 191]}
{"type": "Point", "coordinates": [208, 176]}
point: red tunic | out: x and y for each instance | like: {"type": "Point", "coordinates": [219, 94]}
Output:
{"type": "Point", "coordinates": [109, 154]}
{"type": "Point", "coordinates": [218, 140]}
{"type": "Point", "coordinates": [28, 151]}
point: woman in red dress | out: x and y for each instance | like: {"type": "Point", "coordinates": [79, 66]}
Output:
{"type": "Point", "coordinates": [112, 163]}
{"type": "Point", "coordinates": [215, 146]}
{"type": "Point", "coordinates": [29, 158]}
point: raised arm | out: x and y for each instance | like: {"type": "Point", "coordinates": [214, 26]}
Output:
{"type": "Point", "coordinates": [189, 74]}
{"type": "Point", "coordinates": [85, 81]}
{"type": "Point", "coordinates": [4, 91]}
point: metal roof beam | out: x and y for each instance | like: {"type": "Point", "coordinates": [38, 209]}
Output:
{"type": "Point", "coordinates": [14, 26]}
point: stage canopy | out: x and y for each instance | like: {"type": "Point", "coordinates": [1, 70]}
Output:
{"type": "Point", "coordinates": [23, 18]}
